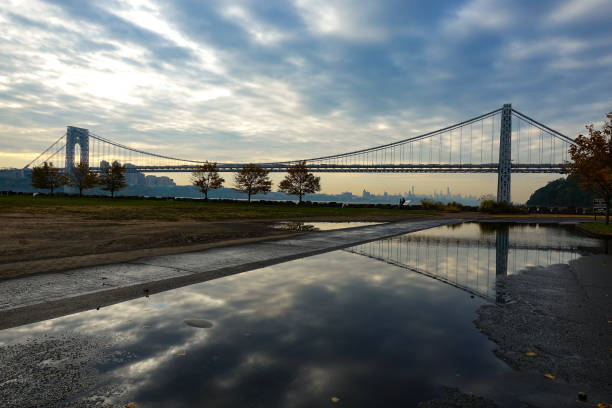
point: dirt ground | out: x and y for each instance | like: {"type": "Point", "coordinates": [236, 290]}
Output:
{"type": "Point", "coordinates": [41, 243]}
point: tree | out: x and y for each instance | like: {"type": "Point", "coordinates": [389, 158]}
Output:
{"type": "Point", "coordinates": [299, 181]}
{"type": "Point", "coordinates": [252, 180]}
{"type": "Point", "coordinates": [82, 178]}
{"type": "Point", "coordinates": [592, 161]}
{"type": "Point", "coordinates": [112, 178]}
{"type": "Point", "coordinates": [206, 177]}
{"type": "Point", "coordinates": [48, 177]}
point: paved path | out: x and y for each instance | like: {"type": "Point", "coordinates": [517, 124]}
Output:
{"type": "Point", "coordinates": [41, 297]}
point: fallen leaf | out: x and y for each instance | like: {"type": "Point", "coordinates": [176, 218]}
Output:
{"type": "Point", "coordinates": [603, 405]}
{"type": "Point", "coordinates": [531, 354]}
{"type": "Point", "coordinates": [130, 405]}
{"type": "Point", "coordinates": [182, 353]}
{"type": "Point", "coordinates": [549, 376]}
{"type": "Point", "coordinates": [335, 399]}
{"type": "Point", "coordinates": [146, 326]}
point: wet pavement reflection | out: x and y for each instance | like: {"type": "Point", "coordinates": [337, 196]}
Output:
{"type": "Point", "coordinates": [357, 327]}
{"type": "Point", "coordinates": [469, 256]}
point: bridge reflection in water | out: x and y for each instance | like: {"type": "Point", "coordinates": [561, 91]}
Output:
{"type": "Point", "coordinates": [470, 256]}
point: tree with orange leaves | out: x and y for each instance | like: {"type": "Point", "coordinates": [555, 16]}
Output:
{"type": "Point", "coordinates": [592, 161]}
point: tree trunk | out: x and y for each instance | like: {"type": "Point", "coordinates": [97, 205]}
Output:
{"type": "Point", "coordinates": [80, 192]}
{"type": "Point", "coordinates": [51, 188]}
{"type": "Point", "coordinates": [607, 210]}
{"type": "Point", "coordinates": [112, 193]}
{"type": "Point", "coordinates": [206, 195]}
{"type": "Point", "coordinates": [300, 195]}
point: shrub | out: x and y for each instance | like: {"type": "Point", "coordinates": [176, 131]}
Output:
{"type": "Point", "coordinates": [439, 206]}
{"type": "Point", "coordinates": [432, 205]}
{"type": "Point", "coordinates": [493, 207]}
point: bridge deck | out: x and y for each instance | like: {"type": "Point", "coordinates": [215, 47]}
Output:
{"type": "Point", "coordinates": [377, 168]}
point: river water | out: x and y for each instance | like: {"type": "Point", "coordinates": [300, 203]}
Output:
{"type": "Point", "coordinates": [384, 323]}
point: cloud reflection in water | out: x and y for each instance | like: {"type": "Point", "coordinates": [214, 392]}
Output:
{"type": "Point", "coordinates": [294, 335]}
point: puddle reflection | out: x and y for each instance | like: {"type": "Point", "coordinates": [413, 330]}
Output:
{"type": "Point", "coordinates": [338, 325]}
{"type": "Point", "coordinates": [320, 226]}
{"type": "Point", "coordinates": [470, 256]}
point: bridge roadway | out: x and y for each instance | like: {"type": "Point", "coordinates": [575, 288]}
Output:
{"type": "Point", "coordinates": [41, 297]}
{"type": "Point", "coordinates": [359, 168]}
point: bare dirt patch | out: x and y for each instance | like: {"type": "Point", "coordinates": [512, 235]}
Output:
{"type": "Point", "coordinates": [39, 243]}
{"type": "Point", "coordinates": [44, 243]}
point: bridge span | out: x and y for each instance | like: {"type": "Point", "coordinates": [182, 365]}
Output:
{"type": "Point", "coordinates": [503, 141]}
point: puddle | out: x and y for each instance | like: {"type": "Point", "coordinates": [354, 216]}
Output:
{"type": "Point", "coordinates": [319, 226]}
{"type": "Point", "coordinates": [388, 321]}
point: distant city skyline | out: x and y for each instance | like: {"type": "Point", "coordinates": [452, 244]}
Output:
{"type": "Point", "coordinates": [235, 81]}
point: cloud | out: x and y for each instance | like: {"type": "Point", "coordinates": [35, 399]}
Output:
{"type": "Point", "coordinates": [342, 20]}
{"type": "Point", "coordinates": [282, 80]}
{"type": "Point", "coordinates": [259, 31]}
{"type": "Point", "coordinates": [579, 11]}
{"type": "Point", "coordinates": [477, 16]}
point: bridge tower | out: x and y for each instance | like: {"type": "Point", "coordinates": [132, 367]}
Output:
{"type": "Point", "coordinates": [76, 136]}
{"type": "Point", "coordinates": [502, 247]}
{"type": "Point", "coordinates": [505, 162]}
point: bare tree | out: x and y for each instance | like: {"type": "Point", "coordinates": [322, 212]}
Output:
{"type": "Point", "coordinates": [592, 161]}
{"type": "Point", "coordinates": [112, 178]}
{"type": "Point", "coordinates": [83, 178]}
{"type": "Point", "coordinates": [252, 180]}
{"type": "Point", "coordinates": [206, 178]}
{"type": "Point", "coordinates": [48, 177]}
{"type": "Point", "coordinates": [299, 181]}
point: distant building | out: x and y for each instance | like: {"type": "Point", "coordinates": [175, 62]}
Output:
{"type": "Point", "coordinates": [12, 173]}
{"type": "Point", "coordinates": [133, 177]}
{"type": "Point", "coordinates": [163, 181]}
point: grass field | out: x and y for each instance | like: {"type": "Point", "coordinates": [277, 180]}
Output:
{"type": "Point", "coordinates": [169, 210]}
{"type": "Point", "coordinates": [598, 228]}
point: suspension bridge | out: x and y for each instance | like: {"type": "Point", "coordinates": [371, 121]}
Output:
{"type": "Point", "coordinates": [502, 141]}
{"type": "Point", "coordinates": [471, 264]}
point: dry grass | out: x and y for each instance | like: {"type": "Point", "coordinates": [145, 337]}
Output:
{"type": "Point", "coordinates": [172, 210]}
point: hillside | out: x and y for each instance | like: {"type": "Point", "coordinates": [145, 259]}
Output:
{"type": "Point", "coordinates": [561, 193]}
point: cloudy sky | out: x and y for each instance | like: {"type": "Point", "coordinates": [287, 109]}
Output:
{"type": "Point", "coordinates": [273, 80]}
